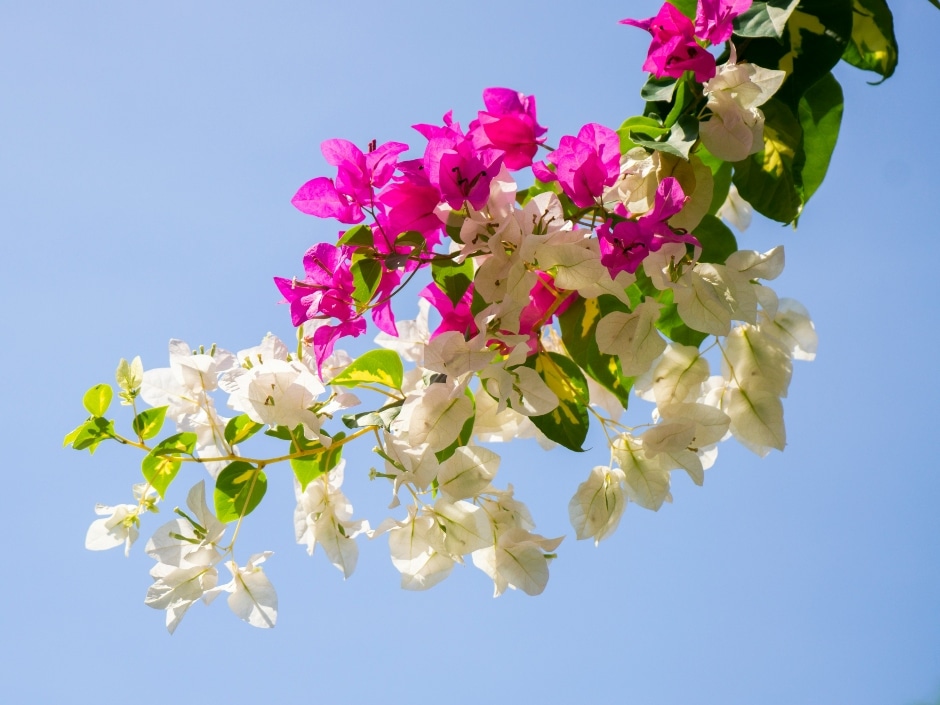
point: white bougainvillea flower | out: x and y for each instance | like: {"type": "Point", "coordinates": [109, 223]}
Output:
{"type": "Point", "coordinates": [736, 127]}
{"type": "Point", "coordinates": [252, 597]}
{"type": "Point", "coordinates": [120, 524]}
{"type": "Point", "coordinates": [192, 539]}
{"type": "Point", "coordinates": [792, 326]}
{"type": "Point", "coordinates": [412, 336]}
{"type": "Point", "coordinates": [417, 550]}
{"type": "Point", "coordinates": [177, 589]}
{"type": "Point", "coordinates": [736, 210]}
{"type": "Point", "coordinates": [323, 516]}
{"type": "Point", "coordinates": [517, 560]}
{"type": "Point", "coordinates": [646, 478]}
{"type": "Point", "coordinates": [599, 503]}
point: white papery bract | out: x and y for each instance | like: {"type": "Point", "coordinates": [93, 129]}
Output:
{"type": "Point", "coordinates": [323, 516]}
{"type": "Point", "coordinates": [736, 127]}
{"type": "Point", "coordinates": [597, 506]}
{"type": "Point", "coordinates": [120, 524]}
{"type": "Point", "coordinates": [252, 597]}
{"type": "Point", "coordinates": [186, 551]}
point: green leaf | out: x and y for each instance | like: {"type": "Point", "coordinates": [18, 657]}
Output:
{"type": "Point", "coordinates": [241, 428]}
{"type": "Point", "coordinates": [567, 424]}
{"type": "Point", "coordinates": [935, 3]}
{"type": "Point", "coordinates": [872, 46]}
{"type": "Point", "coordinates": [579, 334]}
{"type": "Point", "coordinates": [683, 99]}
{"type": "Point", "coordinates": [90, 434]}
{"type": "Point", "coordinates": [820, 118]}
{"type": "Point", "coordinates": [671, 324]}
{"type": "Point", "coordinates": [527, 194]}
{"type": "Point", "coordinates": [681, 138]}
{"type": "Point", "coordinates": [658, 89]}
{"type": "Point", "coordinates": [148, 423]}
{"type": "Point", "coordinates": [161, 464]}
{"type": "Point", "coordinates": [764, 19]}
{"type": "Point", "coordinates": [366, 274]}
{"type": "Point", "coordinates": [717, 240]}
{"type": "Point", "coordinates": [767, 179]}
{"type": "Point", "coordinates": [97, 399]}
{"type": "Point", "coordinates": [239, 488]}
{"type": "Point", "coordinates": [453, 279]}
{"type": "Point", "coordinates": [358, 236]}
{"type": "Point", "coordinates": [412, 239]}
{"type": "Point", "coordinates": [382, 418]}
{"type": "Point", "coordinates": [321, 460]}
{"type": "Point", "coordinates": [281, 432]}
{"type": "Point", "coordinates": [721, 177]}
{"type": "Point", "coordinates": [813, 41]}
{"type": "Point", "coordinates": [177, 444]}
{"type": "Point", "coordinates": [375, 367]}
{"type": "Point", "coordinates": [466, 432]}
{"type": "Point", "coordinates": [686, 7]}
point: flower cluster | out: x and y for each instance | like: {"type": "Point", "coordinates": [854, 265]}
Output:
{"type": "Point", "coordinates": [545, 309]}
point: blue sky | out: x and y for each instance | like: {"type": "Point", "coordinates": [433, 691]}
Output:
{"type": "Point", "coordinates": [150, 151]}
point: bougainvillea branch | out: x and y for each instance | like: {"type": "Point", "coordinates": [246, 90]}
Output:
{"type": "Point", "coordinates": [612, 275]}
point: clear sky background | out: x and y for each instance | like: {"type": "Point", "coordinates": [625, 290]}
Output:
{"type": "Point", "coordinates": [148, 154]}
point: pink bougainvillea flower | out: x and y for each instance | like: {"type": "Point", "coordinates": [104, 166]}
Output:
{"type": "Point", "coordinates": [325, 292]}
{"type": "Point", "coordinates": [626, 244]}
{"type": "Point", "coordinates": [714, 17]}
{"type": "Point", "coordinates": [409, 203]}
{"type": "Point", "coordinates": [541, 299]}
{"type": "Point", "coordinates": [460, 171]}
{"type": "Point", "coordinates": [358, 176]}
{"type": "Point", "coordinates": [585, 164]}
{"type": "Point", "coordinates": [458, 318]}
{"type": "Point", "coordinates": [509, 124]}
{"type": "Point", "coordinates": [674, 50]}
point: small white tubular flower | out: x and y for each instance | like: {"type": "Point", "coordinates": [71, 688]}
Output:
{"type": "Point", "coordinates": [597, 506]}
{"type": "Point", "coordinates": [736, 127]}
{"type": "Point", "coordinates": [736, 210]}
{"type": "Point", "coordinates": [324, 516]}
{"type": "Point", "coordinates": [252, 597]}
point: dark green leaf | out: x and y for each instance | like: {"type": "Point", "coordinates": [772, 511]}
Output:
{"type": "Point", "coordinates": [681, 137]}
{"type": "Point", "coordinates": [239, 488]}
{"type": "Point", "coordinates": [97, 399]}
{"type": "Point", "coordinates": [382, 418]}
{"type": "Point", "coordinates": [579, 334]}
{"type": "Point", "coordinates": [820, 118]}
{"type": "Point", "coordinates": [567, 424]}
{"type": "Point", "coordinates": [717, 240]}
{"type": "Point", "coordinates": [453, 279]}
{"type": "Point", "coordinates": [375, 367]}
{"type": "Point", "coordinates": [721, 177]}
{"type": "Point", "coordinates": [411, 238]}
{"type": "Point", "coordinates": [241, 428]}
{"type": "Point", "coordinates": [872, 46]}
{"type": "Point", "coordinates": [814, 40]}
{"type": "Point", "coordinates": [358, 236]}
{"type": "Point", "coordinates": [148, 423]}
{"type": "Point", "coordinates": [764, 19]}
{"type": "Point", "coordinates": [686, 7]}
{"type": "Point", "coordinates": [767, 179]}
{"type": "Point", "coordinates": [659, 89]}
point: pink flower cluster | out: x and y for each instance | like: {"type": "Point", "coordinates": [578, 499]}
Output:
{"type": "Point", "coordinates": [676, 46]}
